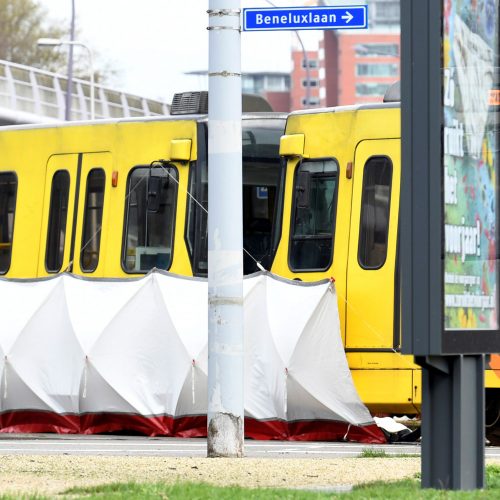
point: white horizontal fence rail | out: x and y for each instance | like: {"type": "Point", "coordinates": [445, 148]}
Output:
{"type": "Point", "coordinates": [31, 95]}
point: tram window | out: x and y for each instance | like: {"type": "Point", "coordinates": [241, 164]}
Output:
{"type": "Point", "coordinates": [262, 182]}
{"type": "Point", "coordinates": [58, 215]}
{"type": "Point", "coordinates": [8, 192]}
{"type": "Point", "coordinates": [263, 185]}
{"type": "Point", "coordinates": [197, 219]}
{"type": "Point", "coordinates": [262, 202]}
{"type": "Point", "coordinates": [311, 245]}
{"type": "Point", "coordinates": [150, 219]}
{"type": "Point", "coordinates": [92, 220]}
{"type": "Point", "coordinates": [375, 203]}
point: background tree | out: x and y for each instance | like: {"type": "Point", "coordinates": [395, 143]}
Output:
{"type": "Point", "coordinates": [23, 22]}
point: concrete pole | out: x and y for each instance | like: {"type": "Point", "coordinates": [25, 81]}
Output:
{"type": "Point", "coordinates": [225, 233]}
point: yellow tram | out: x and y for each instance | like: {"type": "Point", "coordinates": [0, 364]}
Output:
{"type": "Point", "coordinates": [321, 199]}
{"type": "Point", "coordinates": [349, 161]}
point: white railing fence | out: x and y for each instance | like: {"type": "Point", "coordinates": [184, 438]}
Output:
{"type": "Point", "coordinates": [30, 94]}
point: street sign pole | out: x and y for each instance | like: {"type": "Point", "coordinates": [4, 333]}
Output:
{"type": "Point", "coordinates": [225, 425]}
{"type": "Point", "coordinates": [225, 234]}
{"type": "Point", "coordinates": [305, 18]}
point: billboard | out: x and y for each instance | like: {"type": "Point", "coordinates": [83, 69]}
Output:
{"type": "Point", "coordinates": [470, 164]}
{"type": "Point", "coordinates": [450, 242]}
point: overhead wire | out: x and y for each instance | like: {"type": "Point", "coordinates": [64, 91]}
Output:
{"type": "Point", "coordinates": [161, 164]}
{"type": "Point", "coordinates": [257, 263]}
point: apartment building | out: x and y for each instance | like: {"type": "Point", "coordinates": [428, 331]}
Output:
{"type": "Point", "coordinates": [350, 66]}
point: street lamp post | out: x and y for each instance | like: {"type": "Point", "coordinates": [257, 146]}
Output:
{"type": "Point", "coordinates": [306, 60]}
{"type": "Point", "coordinates": [55, 42]}
{"type": "Point", "coordinates": [69, 84]}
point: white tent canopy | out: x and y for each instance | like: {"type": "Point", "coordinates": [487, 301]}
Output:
{"type": "Point", "coordinates": [91, 355]}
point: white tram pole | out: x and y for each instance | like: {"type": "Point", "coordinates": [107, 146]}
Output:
{"type": "Point", "coordinates": [225, 233]}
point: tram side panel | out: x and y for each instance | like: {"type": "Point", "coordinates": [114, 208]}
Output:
{"type": "Point", "coordinates": [65, 193]}
{"type": "Point", "coordinates": [364, 142]}
{"type": "Point", "coordinates": [148, 206]}
{"type": "Point", "coordinates": [23, 163]}
{"type": "Point", "coordinates": [347, 229]}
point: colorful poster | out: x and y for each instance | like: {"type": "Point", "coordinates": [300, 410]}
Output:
{"type": "Point", "coordinates": [470, 159]}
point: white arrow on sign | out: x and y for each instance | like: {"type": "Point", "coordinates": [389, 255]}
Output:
{"type": "Point", "coordinates": [348, 17]}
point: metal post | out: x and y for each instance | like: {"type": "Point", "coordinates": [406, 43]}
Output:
{"type": "Point", "coordinates": [69, 83]}
{"type": "Point", "coordinates": [225, 233]}
{"type": "Point", "coordinates": [308, 71]}
{"type": "Point", "coordinates": [92, 83]}
{"type": "Point", "coordinates": [91, 77]}
{"type": "Point", "coordinates": [55, 42]}
{"type": "Point", "coordinates": [452, 422]}
{"type": "Point", "coordinates": [306, 61]}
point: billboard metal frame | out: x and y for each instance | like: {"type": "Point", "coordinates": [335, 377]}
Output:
{"type": "Point", "coordinates": [422, 188]}
{"type": "Point", "coordinates": [452, 361]}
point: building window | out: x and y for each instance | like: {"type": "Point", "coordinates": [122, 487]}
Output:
{"type": "Point", "coordinates": [260, 83]}
{"type": "Point", "coordinates": [375, 204]}
{"type": "Point", "coordinates": [150, 219]}
{"type": "Point", "coordinates": [312, 82]}
{"type": "Point", "coordinates": [313, 63]}
{"type": "Point", "coordinates": [276, 83]}
{"type": "Point", "coordinates": [313, 101]}
{"type": "Point", "coordinates": [8, 192]}
{"type": "Point", "coordinates": [385, 12]}
{"type": "Point", "coordinates": [248, 84]}
{"type": "Point", "coordinates": [58, 215]}
{"type": "Point", "coordinates": [311, 242]}
{"type": "Point", "coordinates": [377, 50]}
{"type": "Point", "coordinates": [371, 89]}
{"type": "Point", "coordinates": [376, 69]}
{"type": "Point", "coordinates": [92, 220]}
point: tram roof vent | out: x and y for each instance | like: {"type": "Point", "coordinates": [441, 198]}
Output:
{"type": "Point", "coordinates": [190, 103]}
{"type": "Point", "coordinates": [393, 93]}
{"type": "Point", "coordinates": [196, 103]}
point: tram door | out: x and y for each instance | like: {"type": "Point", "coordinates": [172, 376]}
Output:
{"type": "Point", "coordinates": [371, 268]}
{"type": "Point", "coordinates": [74, 213]}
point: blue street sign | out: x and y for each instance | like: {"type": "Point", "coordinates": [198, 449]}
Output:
{"type": "Point", "coordinates": [305, 18]}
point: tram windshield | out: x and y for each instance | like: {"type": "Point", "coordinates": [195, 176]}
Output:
{"type": "Point", "coordinates": [263, 182]}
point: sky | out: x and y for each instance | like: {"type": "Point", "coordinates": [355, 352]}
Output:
{"type": "Point", "coordinates": [152, 43]}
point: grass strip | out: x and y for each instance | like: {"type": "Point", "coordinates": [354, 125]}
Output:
{"type": "Point", "coordinates": [409, 488]}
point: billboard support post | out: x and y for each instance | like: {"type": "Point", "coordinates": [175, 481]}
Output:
{"type": "Point", "coordinates": [452, 422]}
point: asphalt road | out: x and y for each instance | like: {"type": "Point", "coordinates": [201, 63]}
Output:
{"type": "Point", "coordinates": [49, 444]}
